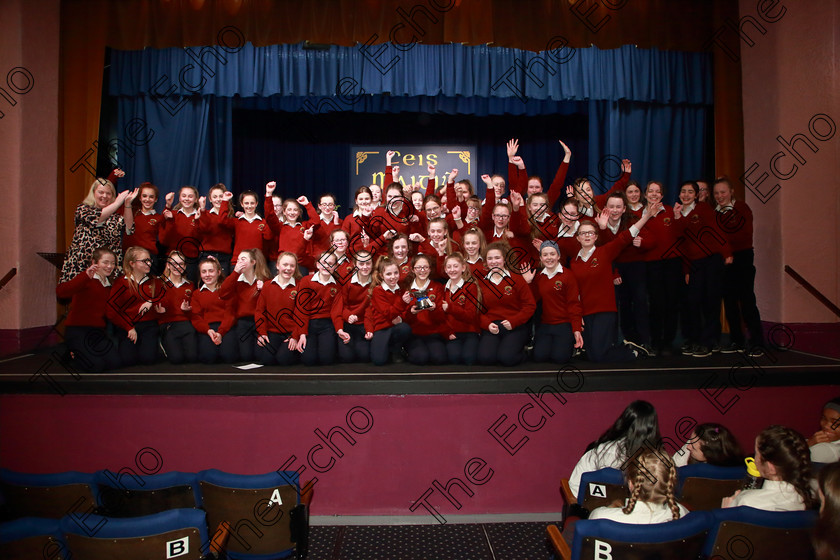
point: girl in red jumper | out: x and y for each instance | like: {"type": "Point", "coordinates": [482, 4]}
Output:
{"type": "Point", "coordinates": [664, 273]}
{"type": "Point", "coordinates": [559, 330]}
{"type": "Point", "coordinates": [291, 231]}
{"type": "Point", "coordinates": [212, 317]}
{"type": "Point", "coordinates": [250, 230]}
{"type": "Point", "coordinates": [243, 288]}
{"type": "Point", "coordinates": [277, 315]}
{"type": "Point", "coordinates": [592, 268]}
{"type": "Point", "coordinates": [462, 306]}
{"type": "Point", "coordinates": [428, 324]}
{"type": "Point", "coordinates": [176, 331]}
{"type": "Point", "coordinates": [180, 230]}
{"type": "Point", "coordinates": [384, 324]}
{"type": "Point", "coordinates": [631, 284]}
{"type": "Point", "coordinates": [438, 245]}
{"type": "Point", "coordinates": [85, 334]}
{"type": "Point", "coordinates": [131, 308]}
{"type": "Point", "coordinates": [356, 299]}
{"type": "Point", "coordinates": [320, 306]}
{"type": "Point", "coordinates": [339, 244]}
{"type": "Point", "coordinates": [326, 222]}
{"type": "Point", "coordinates": [396, 217]}
{"type": "Point", "coordinates": [736, 220]}
{"type": "Point", "coordinates": [475, 247]}
{"type": "Point", "coordinates": [509, 305]}
{"type": "Point", "coordinates": [217, 227]}
{"type": "Point", "coordinates": [357, 223]}
{"type": "Point", "coordinates": [398, 252]}
{"type": "Point", "coordinates": [147, 224]}
{"type": "Point", "coordinates": [705, 248]}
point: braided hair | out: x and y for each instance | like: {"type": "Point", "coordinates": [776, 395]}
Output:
{"type": "Point", "coordinates": [654, 479]}
{"type": "Point", "coordinates": [788, 451]}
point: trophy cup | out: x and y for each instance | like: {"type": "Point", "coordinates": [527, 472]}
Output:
{"type": "Point", "coordinates": [422, 300]}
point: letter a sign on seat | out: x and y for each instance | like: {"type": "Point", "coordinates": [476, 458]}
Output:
{"type": "Point", "coordinates": [275, 498]}
{"type": "Point", "coordinates": [597, 490]}
{"type": "Point", "coordinates": [178, 547]}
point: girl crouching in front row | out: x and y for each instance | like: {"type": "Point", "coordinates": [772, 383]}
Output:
{"type": "Point", "coordinates": [278, 327]}
{"type": "Point", "coordinates": [85, 335]}
{"type": "Point", "coordinates": [212, 316]}
{"type": "Point", "coordinates": [384, 325]}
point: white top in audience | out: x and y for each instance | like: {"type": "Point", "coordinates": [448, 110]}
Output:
{"type": "Point", "coordinates": [827, 452]}
{"type": "Point", "coordinates": [644, 513]}
{"type": "Point", "coordinates": [603, 456]}
{"type": "Point", "coordinates": [774, 495]}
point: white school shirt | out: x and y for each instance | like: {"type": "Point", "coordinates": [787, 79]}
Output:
{"type": "Point", "coordinates": [682, 456]}
{"type": "Point", "coordinates": [774, 495]}
{"type": "Point", "coordinates": [826, 452]}
{"type": "Point", "coordinates": [644, 513]}
{"type": "Point", "coordinates": [603, 456]}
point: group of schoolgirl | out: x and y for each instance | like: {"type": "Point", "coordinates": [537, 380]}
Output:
{"type": "Point", "coordinates": [444, 278]}
{"type": "Point", "coordinates": [788, 481]}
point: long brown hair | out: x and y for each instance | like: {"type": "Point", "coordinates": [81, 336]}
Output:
{"type": "Point", "coordinates": [131, 255]}
{"type": "Point", "coordinates": [788, 451]}
{"type": "Point", "coordinates": [466, 275]}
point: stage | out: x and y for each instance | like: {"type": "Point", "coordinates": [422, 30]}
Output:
{"type": "Point", "coordinates": [44, 372]}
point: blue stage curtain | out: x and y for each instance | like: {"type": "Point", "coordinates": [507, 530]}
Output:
{"type": "Point", "coordinates": [650, 106]}
{"type": "Point", "coordinates": [192, 145]}
{"type": "Point", "coordinates": [647, 75]}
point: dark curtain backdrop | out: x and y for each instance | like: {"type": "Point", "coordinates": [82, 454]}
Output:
{"type": "Point", "coordinates": [270, 145]}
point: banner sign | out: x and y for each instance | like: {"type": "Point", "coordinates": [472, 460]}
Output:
{"type": "Point", "coordinates": [367, 164]}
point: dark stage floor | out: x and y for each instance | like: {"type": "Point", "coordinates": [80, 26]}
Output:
{"type": "Point", "coordinates": [44, 372]}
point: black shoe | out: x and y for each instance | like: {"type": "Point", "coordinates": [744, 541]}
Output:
{"type": "Point", "coordinates": [755, 352]}
{"type": "Point", "coordinates": [649, 349]}
{"type": "Point", "coordinates": [397, 357]}
{"type": "Point", "coordinates": [701, 351]}
{"type": "Point", "coordinates": [688, 349]}
{"type": "Point", "coordinates": [715, 348]}
{"type": "Point", "coordinates": [731, 348]}
{"type": "Point", "coordinates": [638, 348]}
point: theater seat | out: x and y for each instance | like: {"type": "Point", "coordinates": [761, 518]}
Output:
{"type": "Point", "coordinates": [702, 486]}
{"type": "Point", "coordinates": [264, 514]}
{"type": "Point", "coordinates": [682, 539]}
{"type": "Point", "coordinates": [130, 495]}
{"type": "Point", "coordinates": [51, 495]}
{"type": "Point", "coordinates": [177, 533]}
{"type": "Point", "coordinates": [601, 488]}
{"type": "Point", "coordinates": [30, 538]}
{"type": "Point", "coordinates": [745, 532]}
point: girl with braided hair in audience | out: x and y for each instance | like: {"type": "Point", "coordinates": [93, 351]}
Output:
{"type": "Point", "coordinates": [827, 532]}
{"type": "Point", "coordinates": [652, 480]}
{"type": "Point", "coordinates": [784, 461]}
{"type": "Point", "coordinates": [636, 428]}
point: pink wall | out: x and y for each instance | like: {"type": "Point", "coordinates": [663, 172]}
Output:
{"type": "Point", "coordinates": [29, 37]}
{"type": "Point", "coordinates": [414, 439]}
{"type": "Point", "coordinates": [790, 75]}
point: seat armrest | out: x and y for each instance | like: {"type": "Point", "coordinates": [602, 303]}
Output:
{"type": "Point", "coordinates": [557, 541]}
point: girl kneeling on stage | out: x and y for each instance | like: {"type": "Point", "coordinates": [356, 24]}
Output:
{"type": "Point", "coordinates": [462, 305]}
{"type": "Point", "coordinates": [275, 316]}
{"type": "Point", "coordinates": [212, 316]}
{"type": "Point", "coordinates": [559, 331]}
{"type": "Point", "coordinates": [130, 308]}
{"type": "Point", "coordinates": [426, 317]}
{"type": "Point", "coordinates": [176, 331]}
{"type": "Point", "coordinates": [383, 320]}
{"type": "Point", "coordinates": [319, 304]}
{"type": "Point", "coordinates": [356, 296]}
{"type": "Point", "coordinates": [85, 334]}
{"type": "Point", "coordinates": [509, 305]}
{"type": "Point", "coordinates": [243, 287]}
